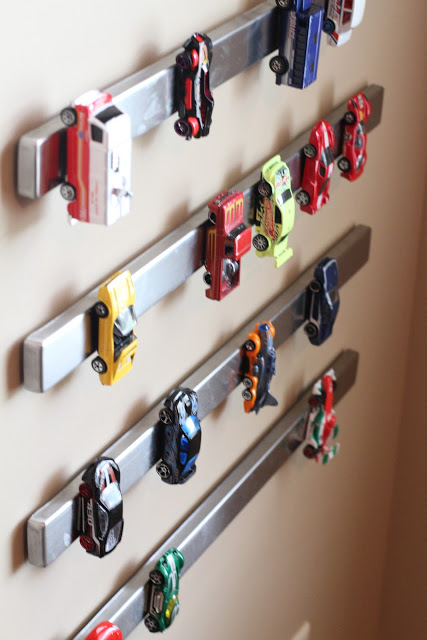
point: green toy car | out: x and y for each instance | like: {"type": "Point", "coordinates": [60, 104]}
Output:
{"type": "Point", "coordinates": [274, 211]}
{"type": "Point", "coordinates": [162, 591]}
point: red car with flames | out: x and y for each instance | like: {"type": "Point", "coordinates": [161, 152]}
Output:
{"type": "Point", "coordinates": [318, 168]}
{"type": "Point", "coordinates": [354, 155]}
{"type": "Point", "coordinates": [227, 240]}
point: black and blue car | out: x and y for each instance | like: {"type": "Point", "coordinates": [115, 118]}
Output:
{"type": "Point", "coordinates": [322, 301]}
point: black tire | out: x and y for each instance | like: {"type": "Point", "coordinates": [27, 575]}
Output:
{"type": "Point", "coordinates": [99, 365]}
{"type": "Point", "coordinates": [349, 117]}
{"type": "Point", "coordinates": [151, 623]}
{"type": "Point", "coordinates": [250, 345]}
{"type": "Point", "coordinates": [67, 191]}
{"type": "Point", "coordinates": [212, 217]}
{"type": "Point", "coordinates": [311, 330]}
{"type": "Point", "coordinates": [101, 310]}
{"type": "Point", "coordinates": [183, 60]}
{"type": "Point", "coordinates": [260, 242]}
{"type": "Point", "coordinates": [284, 4]}
{"type": "Point", "coordinates": [207, 278]}
{"type": "Point", "coordinates": [182, 128]}
{"type": "Point", "coordinates": [328, 26]}
{"type": "Point", "coordinates": [309, 150]}
{"type": "Point", "coordinates": [303, 198]}
{"type": "Point", "coordinates": [247, 382]}
{"type": "Point", "coordinates": [310, 452]}
{"type": "Point", "coordinates": [344, 165]}
{"type": "Point", "coordinates": [246, 394]}
{"type": "Point", "coordinates": [315, 286]}
{"type": "Point", "coordinates": [166, 416]}
{"type": "Point", "coordinates": [264, 189]}
{"type": "Point", "coordinates": [68, 116]}
{"type": "Point", "coordinates": [163, 470]}
{"type": "Point", "coordinates": [279, 65]}
{"type": "Point", "coordinates": [157, 577]}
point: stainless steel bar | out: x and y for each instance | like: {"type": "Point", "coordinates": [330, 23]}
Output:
{"type": "Point", "coordinates": [223, 504]}
{"type": "Point", "coordinates": [53, 351]}
{"type": "Point", "coordinates": [51, 529]}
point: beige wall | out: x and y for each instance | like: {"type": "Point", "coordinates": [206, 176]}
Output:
{"type": "Point", "coordinates": [312, 545]}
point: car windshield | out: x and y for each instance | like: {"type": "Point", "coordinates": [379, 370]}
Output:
{"type": "Point", "coordinates": [284, 196]}
{"type": "Point", "coordinates": [111, 496]}
{"type": "Point", "coordinates": [125, 322]}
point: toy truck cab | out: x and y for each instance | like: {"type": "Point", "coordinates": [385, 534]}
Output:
{"type": "Point", "coordinates": [341, 17]}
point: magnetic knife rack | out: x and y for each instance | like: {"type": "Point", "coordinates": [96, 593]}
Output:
{"type": "Point", "coordinates": [197, 532]}
{"type": "Point", "coordinates": [53, 351]}
{"type": "Point", "coordinates": [52, 528]}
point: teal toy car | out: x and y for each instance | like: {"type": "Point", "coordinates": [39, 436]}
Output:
{"type": "Point", "coordinates": [162, 591]}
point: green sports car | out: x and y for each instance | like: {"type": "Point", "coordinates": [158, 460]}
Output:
{"type": "Point", "coordinates": [162, 591]}
{"type": "Point", "coordinates": [274, 211]}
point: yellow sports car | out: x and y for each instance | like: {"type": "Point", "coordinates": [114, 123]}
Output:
{"type": "Point", "coordinates": [274, 211]}
{"type": "Point", "coordinates": [117, 342]}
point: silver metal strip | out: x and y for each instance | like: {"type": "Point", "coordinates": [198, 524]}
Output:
{"type": "Point", "coordinates": [224, 503]}
{"type": "Point", "coordinates": [53, 351]}
{"type": "Point", "coordinates": [51, 529]}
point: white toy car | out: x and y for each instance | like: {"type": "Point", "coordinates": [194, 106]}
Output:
{"type": "Point", "coordinates": [341, 16]}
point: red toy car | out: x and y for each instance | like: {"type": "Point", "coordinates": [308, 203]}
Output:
{"type": "Point", "coordinates": [193, 96]}
{"type": "Point", "coordinates": [227, 240]}
{"type": "Point", "coordinates": [318, 168]}
{"type": "Point", "coordinates": [105, 631]}
{"type": "Point", "coordinates": [354, 155]}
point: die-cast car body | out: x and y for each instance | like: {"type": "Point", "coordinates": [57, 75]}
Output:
{"type": "Point", "coordinates": [193, 95]}
{"type": "Point", "coordinates": [273, 211]}
{"type": "Point", "coordinates": [353, 159]}
{"type": "Point", "coordinates": [227, 240]}
{"type": "Point", "coordinates": [322, 301]}
{"type": "Point", "coordinates": [99, 147]}
{"type": "Point", "coordinates": [117, 342]}
{"type": "Point", "coordinates": [182, 436]}
{"type": "Point", "coordinates": [100, 516]}
{"type": "Point", "coordinates": [258, 367]}
{"type": "Point", "coordinates": [162, 603]}
{"type": "Point", "coordinates": [320, 425]}
{"type": "Point", "coordinates": [299, 29]}
{"type": "Point", "coordinates": [105, 631]}
{"type": "Point", "coordinates": [341, 16]}
{"type": "Point", "coordinates": [318, 168]}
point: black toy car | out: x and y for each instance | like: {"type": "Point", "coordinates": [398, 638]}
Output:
{"type": "Point", "coordinates": [194, 98]}
{"type": "Point", "coordinates": [100, 516]}
{"type": "Point", "coordinates": [182, 436]}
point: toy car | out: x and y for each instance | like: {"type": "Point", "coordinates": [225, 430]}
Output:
{"type": "Point", "coordinates": [322, 301]}
{"type": "Point", "coordinates": [318, 168]}
{"type": "Point", "coordinates": [299, 30]}
{"type": "Point", "coordinates": [354, 155]}
{"type": "Point", "coordinates": [258, 367]}
{"type": "Point", "coordinates": [99, 147]}
{"type": "Point", "coordinates": [117, 342]}
{"type": "Point", "coordinates": [105, 631]}
{"type": "Point", "coordinates": [162, 591]}
{"type": "Point", "coordinates": [193, 95]}
{"type": "Point", "coordinates": [100, 516]}
{"type": "Point", "coordinates": [182, 436]}
{"type": "Point", "coordinates": [227, 240]}
{"type": "Point", "coordinates": [320, 426]}
{"type": "Point", "coordinates": [341, 16]}
{"type": "Point", "coordinates": [274, 211]}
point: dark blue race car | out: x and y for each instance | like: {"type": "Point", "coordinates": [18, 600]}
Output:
{"type": "Point", "coordinates": [182, 436]}
{"type": "Point", "coordinates": [322, 301]}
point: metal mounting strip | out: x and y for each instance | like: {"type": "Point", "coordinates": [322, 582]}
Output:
{"type": "Point", "coordinates": [148, 95]}
{"type": "Point", "coordinates": [51, 529]}
{"type": "Point", "coordinates": [53, 351]}
{"type": "Point", "coordinates": [211, 517]}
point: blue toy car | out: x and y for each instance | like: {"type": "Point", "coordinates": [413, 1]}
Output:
{"type": "Point", "coordinates": [322, 301]}
{"type": "Point", "coordinates": [299, 29]}
{"type": "Point", "coordinates": [182, 436]}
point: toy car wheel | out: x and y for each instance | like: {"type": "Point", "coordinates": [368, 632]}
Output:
{"type": "Point", "coordinates": [184, 60]}
{"type": "Point", "coordinates": [85, 490]}
{"type": "Point", "coordinates": [207, 278]}
{"type": "Point", "coordinates": [309, 451]}
{"type": "Point", "coordinates": [182, 128]}
{"type": "Point", "coordinates": [311, 330]}
{"type": "Point", "coordinates": [315, 286]}
{"type": "Point", "coordinates": [163, 470]}
{"type": "Point", "coordinates": [87, 543]}
{"type": "Point", "coordinates": [246, 394]}
{"type": "Point", "coordinates": [279, 65]}
{"type": "Point", "coordinates": [247, 382]}
{"type": "Point", "coordinates": [67, 191]}
{"type": "Point", "coordinates": [264, 189]}
{"type": "Point", "coordinates": [284, 4]}
{"type": "Point", "coordinates": [328, 26]}
{"type": "Point", "coordinates": [157, 577]}
{"type": "Point", "coordinates": [349, 117]}
{"type": "Point", "coordinates": [212, 217]}
{"type": "Point", "coordinates": [250, 345]}
{"type": "Point", "coordinates": [303, 198]}
{"type": "Point", "coordinates": [344, 164]}
{"type": "Point", "coordinates": [309, 150]}
{"type": "Point", "coordinates": [260, 242]}
{"type": "Point", "coordinates": [68, 116]}
{"type": "Point", "coordinates": [99, 365]}
{"type": "Point", "coordinates": [101, 310]}
{"type": "Point", "coordinates": [151, 623]}
{"type": "Point", "coordinates": [166, 416]}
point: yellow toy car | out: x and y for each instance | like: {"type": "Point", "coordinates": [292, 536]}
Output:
{"type": "Point", "coordinates": [274, 211]}
{"type": "Point", "coordinates": [117, 342]}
